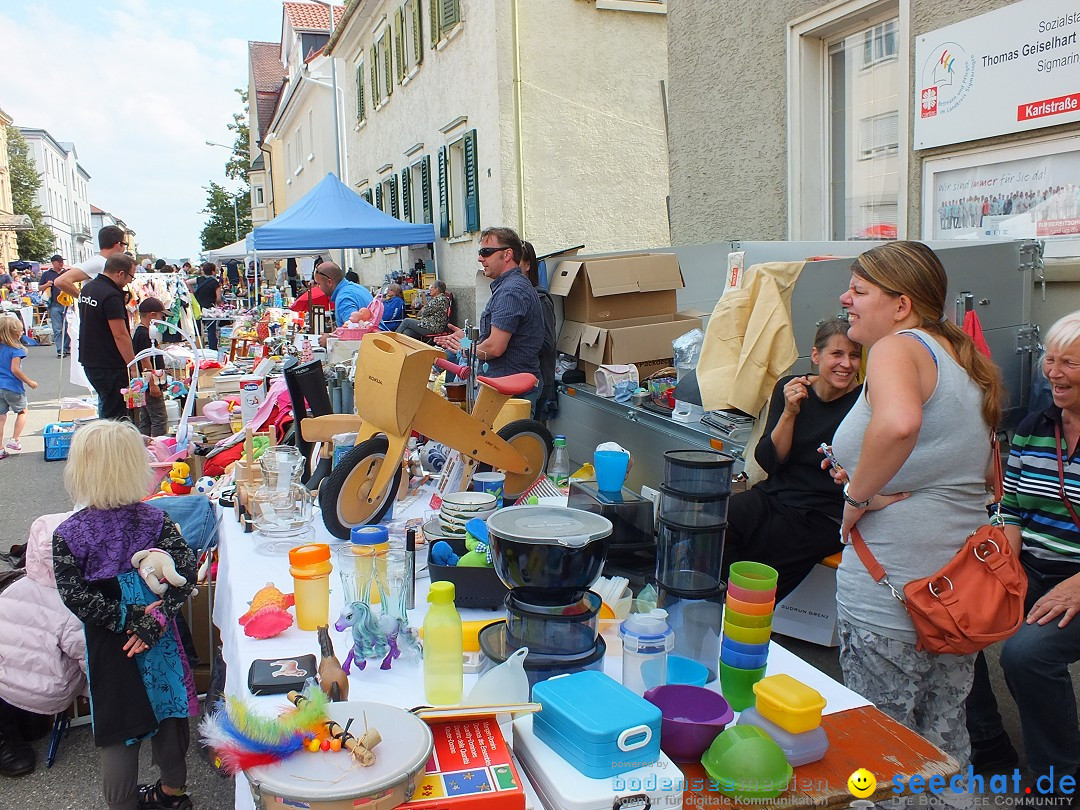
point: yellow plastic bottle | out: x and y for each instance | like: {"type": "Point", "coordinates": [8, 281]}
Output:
{"type": "Point", "coordinates": [310, 567]}
{"type": "Point", "coordinates": [369, 547]}
{"type": "Point", "coordinates": [443, 670]}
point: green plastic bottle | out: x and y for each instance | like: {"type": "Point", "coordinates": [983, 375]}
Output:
{"type": "Point", "coordinates": [442, 647]}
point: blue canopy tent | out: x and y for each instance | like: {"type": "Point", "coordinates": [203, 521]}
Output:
{"type": "Point", "coordinates": [332, 215]}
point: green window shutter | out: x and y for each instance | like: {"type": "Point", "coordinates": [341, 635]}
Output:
{"type": "Point", "coordinates": [375, 97]}
{"type": "Point", "coordinates": [395, 210]}
{"type": "Point", "coordinates": [360, 91]}
{"type": "Point", "coordinates": [378, 197]}
{"type": "Point", "coordinates": [449, 13]}
{"type": "Point", "coordinates": [472, 186]}
{"type": "Point", "coordinates": [399, 43]}
{"type": "Point", "coordinates": [388, 65]}
{"type": "Point", "coordinates": [367, 195]}
{"type": "Point", "coordinates": [406, 195]}
{"type": "Point", "coordinates": [425, 187]}
{"type": "Point", "coordinates": [433, 6]}
{"type": "Point", "coordinates": [418, 33]}
{"type": "Point", "coordinates": [444, 196]}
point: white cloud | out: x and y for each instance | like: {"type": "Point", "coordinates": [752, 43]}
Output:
{"type": "Point", "coordinates": [138, 86]}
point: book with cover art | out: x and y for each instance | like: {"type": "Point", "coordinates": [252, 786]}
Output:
{"type": "Point", "coordinates": [471, 767]}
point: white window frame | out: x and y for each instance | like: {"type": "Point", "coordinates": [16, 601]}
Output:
{"type": "Point", "coordinates": [808, 181]}
{"type": "Point", "coordinates": [259, 194]}
{"type": "Point", "coordinates": [311, 134]}
{"type": "Point", "coordinates": [416, 192]}
{"type": "Point", "coordinates": [455, 186]}
{"type": "Point", "coordinates": [407, 31]}
{"type": "Point", "coordinates": [878, 34]}
{"type": "Point", "coordinates": [299, 152]}
{"type": "Point", "coordinates": [647, 6]}
{"type": "Point", "coordinates": [383, 51]}
{"type": "Point", "coordinates": [868, 147]}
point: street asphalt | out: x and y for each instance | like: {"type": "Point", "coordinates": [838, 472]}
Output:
{"type": "Point", "coordinates": [32, 487]}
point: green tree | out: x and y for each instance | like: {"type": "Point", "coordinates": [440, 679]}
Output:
{"type": "Point", "coordinates": [225, 221]}
{"type": "Point", "coordinates": [38, 242]}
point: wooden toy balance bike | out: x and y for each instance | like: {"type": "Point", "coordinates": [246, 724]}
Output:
{"type": "Point", "coordinates": [392, 401]}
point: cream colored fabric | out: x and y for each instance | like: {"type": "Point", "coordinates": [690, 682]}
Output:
{"type": "Point", "coordinates": [749, 342]}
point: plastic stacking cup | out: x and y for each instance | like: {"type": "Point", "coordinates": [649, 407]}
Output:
{"type": "Point", "coordinates": [491, 483]}
{"type": "Point", "coordinates": [753, 576]}
{"type": "Point", "coordinates": [737, 685]}
{"type": "Point", "coordinates": [753, 597]}
{"type": "Point", "coordinates": [610, 466]}
{"type": "Point", "coordinates": [749, 608]}
{"type": "Point", "coordinates": [732, 616]}
{"type": "Point", "coordinates": [747, 635]}
{"type": "Point", "coordinates": [744, 649]}
{"type": "Point", "coordinates": [741, 660]}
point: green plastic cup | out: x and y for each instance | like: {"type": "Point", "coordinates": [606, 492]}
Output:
{"type": "Point", "coordinates": [737, 685]}
{"type": "Point", "coordinates": [753, 576]}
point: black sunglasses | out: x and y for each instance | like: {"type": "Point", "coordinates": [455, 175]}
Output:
{"type": "Point", "coordinates": [489, 251]}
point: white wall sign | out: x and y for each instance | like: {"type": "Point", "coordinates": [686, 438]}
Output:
{"type": "Point", "coordinates": [1010, 70]}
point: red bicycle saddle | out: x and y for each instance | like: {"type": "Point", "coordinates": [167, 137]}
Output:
{"type": "Point", "coordinates": [511, 385]}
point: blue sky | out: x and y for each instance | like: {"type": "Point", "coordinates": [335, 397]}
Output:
{"type": "Point", "coordinates": [138, 86]}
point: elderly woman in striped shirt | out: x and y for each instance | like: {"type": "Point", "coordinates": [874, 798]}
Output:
{"type": "Point", "coordinates": [1042, 498]}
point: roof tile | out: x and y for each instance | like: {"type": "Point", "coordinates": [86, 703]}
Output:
{"type": "Point", "coordinates": [311, 16]}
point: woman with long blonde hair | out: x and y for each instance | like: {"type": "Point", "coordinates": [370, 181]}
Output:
{"type": "Point", "coordinates": [916, 448]}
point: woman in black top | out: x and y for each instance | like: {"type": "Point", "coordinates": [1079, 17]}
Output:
{"type": "Point", "coordinates": [792, 519]}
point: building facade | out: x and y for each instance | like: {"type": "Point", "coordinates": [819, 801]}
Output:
{"type": "Point", "coordinates": [100, 218]}
{"type": "Point", "coordinates": [299, 139]}
{"type": "Point", "coordinates": [266, 76]}
{"type": "Point", "coordinates": [806, 128]}
{"type": "Point", "coordinates": [63, 195]}
{"type": "Point", "coordinates": [476, 113]}
{"type": "Point", "coordinates": [9, 247]}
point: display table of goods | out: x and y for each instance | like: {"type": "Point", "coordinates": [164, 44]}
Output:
{"type": "Point", "coordinates": [248, 563]}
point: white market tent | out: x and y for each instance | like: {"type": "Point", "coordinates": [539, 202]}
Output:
{"type": "Point", "coordinates": [239, 250]}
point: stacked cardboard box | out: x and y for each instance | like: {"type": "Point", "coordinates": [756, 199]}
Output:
{"type": "Point", "coordinates": [621, 309]}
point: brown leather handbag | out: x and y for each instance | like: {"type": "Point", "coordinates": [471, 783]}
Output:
{"type": "Point", "coordinates": [975, 599]}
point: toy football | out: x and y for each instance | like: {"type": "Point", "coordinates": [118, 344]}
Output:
{"type": "Point", "coordinates": [204, 485]}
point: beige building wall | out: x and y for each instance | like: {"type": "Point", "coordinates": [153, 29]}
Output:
{"type": "Point", "coordinates": [730, 107]}
{"type": "Point", "coordinates": [547, 88]}
{"type": "Point", "coordinates": [9, 249]}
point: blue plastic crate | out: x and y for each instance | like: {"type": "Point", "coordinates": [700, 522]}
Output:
{"type": "Point", "coordinates": [58, 440]}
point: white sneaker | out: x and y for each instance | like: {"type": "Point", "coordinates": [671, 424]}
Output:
{"type": "Point", "coordinates": [14, 445]}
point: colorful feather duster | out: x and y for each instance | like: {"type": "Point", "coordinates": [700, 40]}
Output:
{"type": "Point", "coordinates": [242, 739]}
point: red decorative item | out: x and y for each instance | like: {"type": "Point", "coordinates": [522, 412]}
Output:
{"type": "Point", "coordinates": [267, 622]}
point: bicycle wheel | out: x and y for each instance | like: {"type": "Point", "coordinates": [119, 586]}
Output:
{"type": "Point", "coordinates": [343, 496]}
{"type": "Point", "coordinates": [532, 440]}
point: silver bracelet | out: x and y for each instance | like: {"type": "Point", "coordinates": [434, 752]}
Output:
{"type": "Point", "coordinates": [852, 501]}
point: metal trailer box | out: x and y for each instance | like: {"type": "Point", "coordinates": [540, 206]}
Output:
{"type": "Point", "coordinates": [993, 278]}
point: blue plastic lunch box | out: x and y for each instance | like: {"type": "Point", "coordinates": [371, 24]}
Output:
{"type": "Point", "coordinates": [597, 724]}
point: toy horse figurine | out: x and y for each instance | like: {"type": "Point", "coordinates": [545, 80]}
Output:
{"type": "Point", "coordinates": [402, 639]}
{"type": "Point", "coordinates": [332, 678]}
{"type": "Point", "coordinates": [368, 639]}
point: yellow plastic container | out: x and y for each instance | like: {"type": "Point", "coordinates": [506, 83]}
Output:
{"type": "Point", "coordinates": [747, 635]}
{"type": "Point", "coordinates": [470, 634]}
{"type": "Point", "coordinates": [310, 567]}
{"type": "Point", "coordinates": [789, 703]}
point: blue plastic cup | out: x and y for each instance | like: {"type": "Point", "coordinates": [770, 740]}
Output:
{"type": "Point", "coordinates": [491, 483]}
{"type": "Point", "coordinates": [742, 660]}
{"type": "Point", "coordinates": [610, 466]}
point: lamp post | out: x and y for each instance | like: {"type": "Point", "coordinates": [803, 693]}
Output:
{"type": "Point", "coordinates": [333, 83]}
{"type": "Point", "coordinates": [235, 210]}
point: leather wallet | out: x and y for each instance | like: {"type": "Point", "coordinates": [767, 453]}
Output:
{"type": "Point", "coordinates": [276, 676]}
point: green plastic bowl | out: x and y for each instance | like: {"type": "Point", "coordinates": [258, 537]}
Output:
{"type": "Point", "coordinates": [746, 764]}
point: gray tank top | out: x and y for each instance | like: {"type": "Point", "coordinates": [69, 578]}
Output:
{"type": "Point", "coordinates": [945, 475]}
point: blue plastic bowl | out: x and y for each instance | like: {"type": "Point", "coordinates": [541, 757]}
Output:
{"type": "Point", "coordinates": [741, 660]}
{"type": "Point", "coordinates": [744, 648]}
{"type": "Point", "coordinates": [686, 671]}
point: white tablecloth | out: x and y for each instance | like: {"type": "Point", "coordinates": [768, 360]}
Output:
{"type": "Point", "coordinates": [243, 570]}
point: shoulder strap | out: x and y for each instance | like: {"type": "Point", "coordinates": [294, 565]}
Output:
{"type": "Point", "coordinates": [1061, 474]}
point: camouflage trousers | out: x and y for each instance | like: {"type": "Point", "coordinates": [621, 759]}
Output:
{"type": "Point", "coordinates": [924, 691]}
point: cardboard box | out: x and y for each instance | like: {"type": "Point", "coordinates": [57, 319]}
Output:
{"type": "Point", "coordinates": [642, 341]}
{"type": "Point", "coordinates": [471, 767]}
{"type": "Point", "coordinates": [613, 288]}
{"type": "Point", "coordinates": [809, 611]}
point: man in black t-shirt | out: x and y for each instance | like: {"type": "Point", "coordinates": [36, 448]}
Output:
{"type": "Point", "coordinates": [105, 348]}
{"type": "Point", "coordinates": [152, 418]}
{"type": "Point", "coordinates": [208, 294]}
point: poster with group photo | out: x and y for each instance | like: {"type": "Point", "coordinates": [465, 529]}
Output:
{"type": "Point", "coordinates": [1037, 197]}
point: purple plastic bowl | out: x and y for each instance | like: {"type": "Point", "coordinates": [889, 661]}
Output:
{"type": "Point", "coordinates": [692, 717]}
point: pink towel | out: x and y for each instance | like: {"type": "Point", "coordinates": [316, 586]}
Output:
{"type": "Point", "coordinates": [973, 329]}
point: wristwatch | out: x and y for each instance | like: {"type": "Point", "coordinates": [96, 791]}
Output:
{"type": "Point", "coordinates": [853, 502]}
